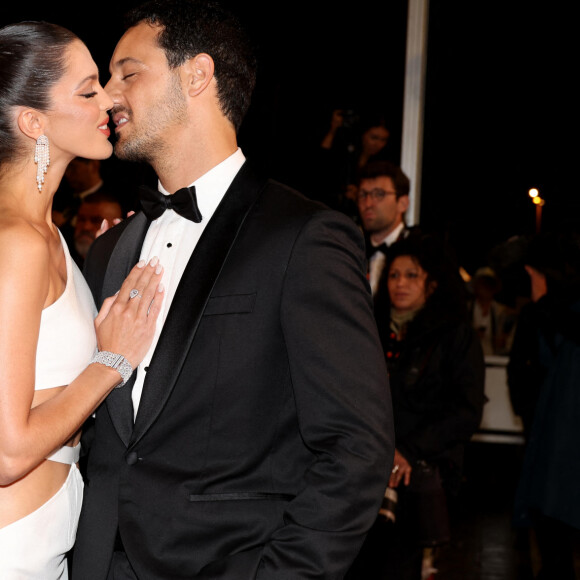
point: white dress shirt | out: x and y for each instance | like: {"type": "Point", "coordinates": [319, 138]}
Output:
{"type": "Point", "coordinates": [172, 238]}
{"type": "Point", "coordinates": [378, 259]}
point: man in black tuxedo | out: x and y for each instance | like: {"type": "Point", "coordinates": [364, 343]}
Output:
{"type": "Point", "coordinates": [383, 199]}
{"type": "Point", "coordinates": [255, 440]}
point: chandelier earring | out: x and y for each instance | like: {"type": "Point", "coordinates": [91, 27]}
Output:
{"type": "Point", "coordinates": [42, 159]}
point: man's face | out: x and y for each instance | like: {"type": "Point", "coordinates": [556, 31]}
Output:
{"type": "Point", "coordinates": [81, 174]}
{"type": "Point", "coordinates": [380, 210]}
{"type": "Point", "coordinates": [149, 101]}
{"type": "Point", "coordinates": [88, 221]}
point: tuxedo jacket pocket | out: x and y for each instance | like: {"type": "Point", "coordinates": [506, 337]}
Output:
{"type": "Point", "coordinates": [233, 304]}
{"type": "Point", "coordinates": [241, 496]}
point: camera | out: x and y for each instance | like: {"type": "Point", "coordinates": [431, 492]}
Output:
{"type": "Point", "coordinates": [349, 118]}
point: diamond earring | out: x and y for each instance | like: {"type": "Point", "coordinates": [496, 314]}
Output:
{"type": "Point", "coordinates": [42, 159]}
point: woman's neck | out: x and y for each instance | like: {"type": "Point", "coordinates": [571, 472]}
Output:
{"type": "Point", "coordinates": [400, 320]}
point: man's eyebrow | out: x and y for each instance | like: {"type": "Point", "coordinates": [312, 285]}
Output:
{"type": "Point", "coordinates": [127, 60]}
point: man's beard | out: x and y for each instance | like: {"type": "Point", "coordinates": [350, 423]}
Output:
{"type": "Point", "coordinates": [146, 142]}
{"type": "Point", "coordinates": [139, 148]}
{"type": "Point", "coordinates": [82, 244]}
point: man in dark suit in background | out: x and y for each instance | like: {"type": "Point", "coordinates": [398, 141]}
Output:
{"type": "Point", "coordinates": [256, 438]}
{"type": "Point", "coordinates": [94, 208]}
{"type": "Point", "coordinates": [81, 179]}
{"type": "Point", "coordinates": [383, 199]}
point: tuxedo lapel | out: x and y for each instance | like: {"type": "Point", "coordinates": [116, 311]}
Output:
{"type": "Point", "coordinates": [124, 257]}
{"type": "Point", "coordinates": [192, 295]}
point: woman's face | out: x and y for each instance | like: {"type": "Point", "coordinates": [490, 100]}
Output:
{"type": "Point", "coordinates": [374, 140]}
{"type": "Point", "coordinates": [77, 124]}
{"type": "Point", "coordinates": [406, 284]}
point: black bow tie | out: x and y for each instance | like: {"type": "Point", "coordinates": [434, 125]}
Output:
{"type": "Point", "coordinates": [183, 202]}
{"type": "Point", "coordinates": [372, 250]}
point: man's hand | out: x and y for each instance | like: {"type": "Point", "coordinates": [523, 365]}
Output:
{"type": "Point", "coordinates": [401, 471]}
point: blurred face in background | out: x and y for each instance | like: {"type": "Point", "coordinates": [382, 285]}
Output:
{"type": "Point", "coordinates": [88, 221]}
{"type": "Point", "coordinates": [82, 174]}
{"type": "Point", "coordinates": [380, 210]}
{"type": "Point", "coordinates": [374, 140]}
{"type": "Point", "coordinates": [407, 284]}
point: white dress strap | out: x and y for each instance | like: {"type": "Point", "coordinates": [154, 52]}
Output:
{"type": "Point", "coordinates": [66, 454]}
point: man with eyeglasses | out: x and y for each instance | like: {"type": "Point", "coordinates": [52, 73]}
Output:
{"type": "Point", "coordinates": [383, 199]}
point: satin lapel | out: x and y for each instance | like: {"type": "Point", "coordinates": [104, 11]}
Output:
{"type": "Point", "coordinates": [124, 257]}
{"type": "Point", "coordinates": [192, 295]}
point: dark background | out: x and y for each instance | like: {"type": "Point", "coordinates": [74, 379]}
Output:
{"type": "Point", "coordinates": [498, 112]}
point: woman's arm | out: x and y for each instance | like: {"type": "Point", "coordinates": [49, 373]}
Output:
{"type": "Point", "coordinates": [125, 327]}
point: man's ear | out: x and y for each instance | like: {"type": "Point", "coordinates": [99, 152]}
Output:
{"type": "Point", "coordinates": [30, 122]}
{"type": "Point", "coordinates": [198, 72]}
{"type": "Point", "coordinates": [403, 203]}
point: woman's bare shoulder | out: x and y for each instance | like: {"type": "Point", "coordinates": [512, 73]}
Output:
{"type": "Point", "coordinates": [18, 238]}
{"type": "Point", "coordinates": [24, 251]}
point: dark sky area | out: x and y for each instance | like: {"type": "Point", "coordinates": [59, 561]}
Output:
{"type": "Point", "coordinates": [498, 113]}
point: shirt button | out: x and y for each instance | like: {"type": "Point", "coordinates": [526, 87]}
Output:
{"type": "Point", "coordinates": [169, 245]}
{"type": "Point", "coordinates": [132, 458]}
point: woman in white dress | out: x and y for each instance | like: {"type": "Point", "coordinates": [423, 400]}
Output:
{"type": "Point", "coordinates": [52, 375]}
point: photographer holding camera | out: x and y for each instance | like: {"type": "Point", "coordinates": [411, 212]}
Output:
{"type": "Point", "coordinates": [352, 140]}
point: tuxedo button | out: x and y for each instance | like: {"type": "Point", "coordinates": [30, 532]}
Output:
{"type": "Point", "coordinates": [132, 458]}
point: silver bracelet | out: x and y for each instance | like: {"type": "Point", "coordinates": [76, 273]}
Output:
{"type": "Point", "coordinates": [115, 361]}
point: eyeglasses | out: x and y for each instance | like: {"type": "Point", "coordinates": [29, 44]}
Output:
{"type": "Point", "coordinates": [375, 194]}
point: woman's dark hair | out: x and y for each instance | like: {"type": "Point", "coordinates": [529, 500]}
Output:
{"type": "Point", "coordinates": [448, 295]}
{"type": "Point", "coordinates": [371, 118]}
{"type": "Point", "coordinates": [33, 59]}
{"type": "Point", "coordinates": [191, 27]}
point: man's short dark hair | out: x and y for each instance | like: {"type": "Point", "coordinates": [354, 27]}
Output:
{"type": "Point", "coordinates": [384, 168]}
{"type": "Point", "coordinates": [191, 27]}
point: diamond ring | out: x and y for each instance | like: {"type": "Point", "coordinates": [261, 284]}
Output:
{"type": "Point", "coordinates": [134, 293]}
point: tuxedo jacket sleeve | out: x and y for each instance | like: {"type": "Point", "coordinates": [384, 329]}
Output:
{"type": "Point", "coordinates": [333, 356]}
{"type": "Point", "coordinates": [264, 438]}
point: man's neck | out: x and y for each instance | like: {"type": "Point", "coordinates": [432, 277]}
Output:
{"type": "Point", "coordinates": [187, 158]}
{"type": "Point", "coordinates": [382, 236]}
{"type": "Point", "coordinates": [222, 172]}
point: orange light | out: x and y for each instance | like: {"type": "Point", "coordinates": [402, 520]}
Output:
{"type": "Point", "coordinates": [538, 200]}
{"type": "Point", "coordinates": [533, 193]}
